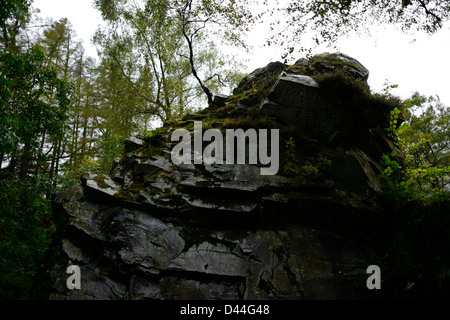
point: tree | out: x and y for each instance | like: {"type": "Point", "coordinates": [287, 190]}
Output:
{"type": "Point", "coordinates": [331, 19]}
{"type": "Point", "coordinates": [425, 139]}
{"type": "Point", "coordinates": [194, 16]}
{"type": "Point", "coordinates": [34, 101]}
{"type": "Point", "coordinates": [14, 14]}
{"type": "Point", "coordinates": [140, 51]}
{"type": "Point", "coordinates": [180, 29]}
{"type": "Point", "coordinates": [63, 52]}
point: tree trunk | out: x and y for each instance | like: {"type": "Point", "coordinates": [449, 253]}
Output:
{"type": "Point", "coordinates": [12, 164]}
{"type": "Point", "coordinates": [59, 154]}
{"type": "Point", "coordinates": [25, 161]}
{"type": "Point", "coordinates": [52, 164]}
{"type": "Point", "coordinates": [194, 70]}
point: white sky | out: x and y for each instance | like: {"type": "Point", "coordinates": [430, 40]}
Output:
{"type": "Point", "coordinates": [423, 65]}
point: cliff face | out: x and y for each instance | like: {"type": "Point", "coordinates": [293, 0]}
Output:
{"type": "Point", "coordinates": [154, 229]}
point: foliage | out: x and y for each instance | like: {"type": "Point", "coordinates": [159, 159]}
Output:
{"type": "Point", "coordinates": [113, 148]}
{"type": "Point", "coordinates": [293, 166]}
{"type": "Point", "coordinates": [425, 135]}
{"type": "Point", "coordinates": [170, 40]}
{"type": "Point", "coordinates": [14, 14]}
{"type": "Point", "coordinates": [72, 175]}
{"type": "Point", "coordinates": [424, 139]}
{"type": "Point", "coordinates": [420, 184]}
{"type": "Point", "coordinates": [31, 89]}
{"type": "Point", "coordinates": [392, 130]}
{"type": "Point", "coordinates": [417, 253]}
{"type": "Point", "coordinates": [144, 69]}
{"type": "Point", "coordinates": [398, 186]}
{"type": "Point", "coordinates": [25, 229]}
{"type": "Point", "coordinates": [154, 136]}
{"type": "Point", "coordinates": [34, 103]}
{"type": "Point", "coordinates": [328, 20]}
{"type": "Point", "coordinates": [13, 9]}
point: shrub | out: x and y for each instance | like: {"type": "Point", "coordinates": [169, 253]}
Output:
{"type": "Point", "coordinates": [25, 230]}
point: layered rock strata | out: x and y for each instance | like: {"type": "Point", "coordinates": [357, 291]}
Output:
{"type": "Point", "coordinates": [156, 230]}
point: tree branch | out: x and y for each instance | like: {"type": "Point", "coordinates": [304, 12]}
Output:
{"type": "Point", "coordinates": [428, 12]}
{"type": "Point", "coordinates": [218, 79]}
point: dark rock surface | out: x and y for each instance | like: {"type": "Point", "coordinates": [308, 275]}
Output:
{"type": "Point", "coordinates": [155, 230]}
{"type": "Point", "coordinates": [327, 62]}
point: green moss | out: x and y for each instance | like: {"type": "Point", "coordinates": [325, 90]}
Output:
{"type": "Point", "coordinates": [154, 142]}
{"type": "Point", "coordinates": [257, 92]}
{"type": "Point", "coordinates": [125, 196]}
{"type": "Point", "coordinates": [298, 69]}
{"type": "Point", "coordinates": [225, 111]}
{"type": "Point", "coordinates": [131, 193]}
{"type": "Point", "coordinates": [100, 180]}
{"type": "Point", "coordinates": [135, 187]}
{"type": "Point", "coordinates": [340, 83]}
{"type": "Point", "coordinates": [292, 166]}
{"type": "Point", "coordinates": [249, 122]}
{"type": "Point", "coordinates": [182, 124]}
{"type": "Point", "coordinates": [155, 137]}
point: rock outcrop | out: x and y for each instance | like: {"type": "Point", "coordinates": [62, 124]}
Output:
{"type": "Point", "coordinates": [156, 230]}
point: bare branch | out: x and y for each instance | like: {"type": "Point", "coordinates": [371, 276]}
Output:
{"type": "Point", "coordinates": [218, 79]}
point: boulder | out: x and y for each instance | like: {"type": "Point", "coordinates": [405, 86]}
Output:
{"type": "Point", "coordinates": [220, 100]}
{"type": "Point", "coordinates": [156, 230]}
{"type": "Point", "coordinates": [332, 62]}
{"type": "Point", "coordinates": [273, 68]}
{"type": "Point", "coordinates": [293, 99]}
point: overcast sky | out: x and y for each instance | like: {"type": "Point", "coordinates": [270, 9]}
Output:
{"type": "Point", "coordinates": [423, 65]}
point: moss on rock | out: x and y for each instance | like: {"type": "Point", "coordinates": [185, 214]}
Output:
{"type": "Point", "coordinates": [100, 180]}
